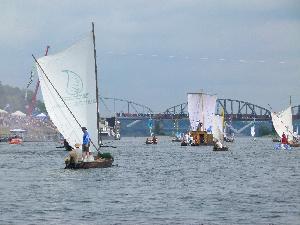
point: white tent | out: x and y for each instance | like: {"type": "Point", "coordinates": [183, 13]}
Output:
{"type": "Point", "coordinates": [3, 111]}
{"type": "Point", "coordinates": [17, 130]}
{"type": "Point", "coordinates": [41, 116]}
{"type": "Point", "coordinates": [18, 113]}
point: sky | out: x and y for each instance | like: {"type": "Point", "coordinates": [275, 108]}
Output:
{"type": "Point", "coordinates": [155, 52]}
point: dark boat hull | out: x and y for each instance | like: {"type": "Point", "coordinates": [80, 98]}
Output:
{"type": "Point", "coordinates": [184, 144]}
{"type": "Point", "coordinates": [98, 163]}
{"type": "Point", "coordinates": [294, 145]}
{"type": "Point", "coordinates": [227, 139]}
{"type": "Point", "coordinates": [220, 149]}
{"type": "Point", "coordinates": [276, 140]}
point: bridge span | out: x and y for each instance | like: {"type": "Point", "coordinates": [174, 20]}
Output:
{"type": "Point", "coordinates": [233, 110]}
{"type": "Point", "coordinates": [134, 117]}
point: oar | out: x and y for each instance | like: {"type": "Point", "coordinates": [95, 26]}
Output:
{"type": "Point", "coordinates": [108, 146]}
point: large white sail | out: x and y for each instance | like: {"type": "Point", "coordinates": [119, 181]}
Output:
{"type": "Point", "coordinates": [283, 123]}
{"type": "Point", "coordinates": [217, 128]}
{"type": "Point", "coordinates": [72, 73]}
{"type": "Point", "coordinates": [201, 108]}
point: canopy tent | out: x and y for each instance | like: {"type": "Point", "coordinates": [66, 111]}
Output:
{"type": "Point", "coordinates": [18, 113]}
{"type": "Point", "coordinates": [17, 130]}
{"type": "Point", "coordinates": [41, 116]}
{"type": "Point", "coordinates": [3, 111]}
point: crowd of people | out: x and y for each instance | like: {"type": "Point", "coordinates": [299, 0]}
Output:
{"type": "Point", "coordinates": [36, 129]}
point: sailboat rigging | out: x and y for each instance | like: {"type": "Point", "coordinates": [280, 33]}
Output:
{"type": "Point", "coordinates": [70, 94]}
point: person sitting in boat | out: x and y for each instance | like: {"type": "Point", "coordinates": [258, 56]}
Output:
{"type": "Point", "coordinates": [283, 139]}
{"type": "Point", "coordinates": [72, 160]}
{"type": "Point", "coordinates": [85, 143]}
{"type": "Point", "coordinates": [218, 144]}
{"type": "Point", "coordinates": [67, 146]}
{"type": "Point", "coordinates": [154, 139]}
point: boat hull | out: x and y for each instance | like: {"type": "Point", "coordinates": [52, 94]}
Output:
{"type": "Point", "coordinates": [98, 163]}
{"type": "Point", "coordinates": [294, 144]}
{"type": "Point", "coordinates": [228, 139]}
{"type": "Point", "coordinates": [220, 149]}
{"type": "Point", "coordinates": [15, 141]}
{"type": "Point", "coordinates": [276, 140]}
{"type": "Point", "coordinates": [150, 141]}
{"type": "Point", "coordinates": [184, 144]}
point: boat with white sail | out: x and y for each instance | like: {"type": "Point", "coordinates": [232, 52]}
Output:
{"type": "Point", "coordinates": [218, 135]}
{"type": "Point", "coordinates": [69, 85]}
{"type": "Point", "coordinates": [201, 109]}
{"type": "Point", "coordinates": [283, 125]}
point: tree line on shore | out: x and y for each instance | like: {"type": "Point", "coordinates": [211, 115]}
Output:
{"type": "Point", "coordinates": [14, 98]}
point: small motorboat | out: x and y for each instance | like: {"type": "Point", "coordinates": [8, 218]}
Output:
{"type": "Point", "coordinates": [15, 141]}
{"type": "Point", "coordinates": [16, 136]}
{"type": "Point", "coordinates": [151, 140]}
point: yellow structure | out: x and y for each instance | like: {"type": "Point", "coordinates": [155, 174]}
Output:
{"type": "Point", "coordinates": [202, 137]}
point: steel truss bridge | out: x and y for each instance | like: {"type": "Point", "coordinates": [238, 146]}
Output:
{"type": "Point", "coordinates": [122, 107]}
{"type": "Point", "coordinates": [233, 110]}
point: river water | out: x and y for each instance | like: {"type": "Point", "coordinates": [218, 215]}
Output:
{"type": "Point", "coordinates": [152, 184]}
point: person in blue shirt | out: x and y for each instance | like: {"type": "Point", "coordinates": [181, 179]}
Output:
{"type": "Point", "coordinates": [85, 142]}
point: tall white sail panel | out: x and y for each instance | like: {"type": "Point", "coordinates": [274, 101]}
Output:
{"type": "Point", "coordinates": [283, 123]}
{"type": "Point", "coordinates": [209, 110]}
{"type": "Point", "coordinates": [201, 108]}
{"type": "Point", "coordinates": [195, 105]}
{"type": "Point", "coordinates": [72, 73]}
{"type": "Point", "coordinates": [217, 128]}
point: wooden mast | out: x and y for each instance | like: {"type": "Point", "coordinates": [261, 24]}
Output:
{"type": "Point", "coordinates": [97, 92]}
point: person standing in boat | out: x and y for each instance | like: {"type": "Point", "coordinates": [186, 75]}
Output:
{"type": "Point", "coordinates": [283, 139]}
{"type": "Point", "coordinates": [85, 143]}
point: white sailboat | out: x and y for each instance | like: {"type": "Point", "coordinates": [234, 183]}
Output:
{"type": "Point", "coordinates": [152, 139]}
{"type": "Point", "coordinates": [283, 123]}
{"type": "Point", "coordinates": [201, 109]}
{"type": "Point", "coordinates": [70, 95]}
{"type": "Point", "coordinates": [218, 134]}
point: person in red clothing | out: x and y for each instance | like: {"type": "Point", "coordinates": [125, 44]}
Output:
{"type": "Point", "coordinates": [283, 139]}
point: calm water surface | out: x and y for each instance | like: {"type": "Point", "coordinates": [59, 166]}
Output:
{"type": "Point", "coordinates": [159, 184]}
